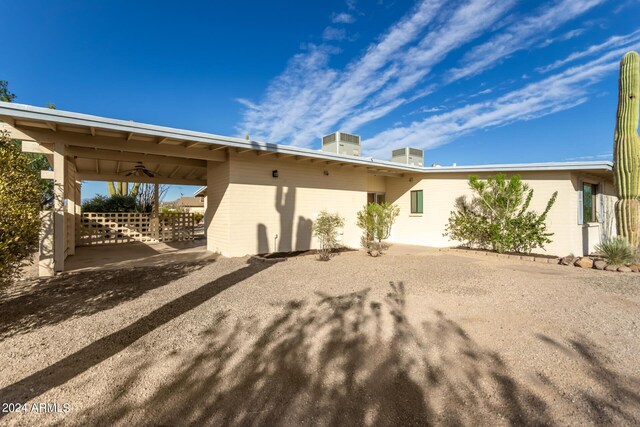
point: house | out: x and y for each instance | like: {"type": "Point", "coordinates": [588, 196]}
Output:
{"type": "Point", "coordinates": [193, 204]}
{"type": "Point", "coordinates": [253, 212]}
{"type": "Point", "coordinates": [263, 197]}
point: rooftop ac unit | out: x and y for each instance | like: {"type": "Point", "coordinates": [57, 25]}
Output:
{"type": "Point", "coordinates": [341, 143]}
{"type": "Point", "coordinates": [409, 156]}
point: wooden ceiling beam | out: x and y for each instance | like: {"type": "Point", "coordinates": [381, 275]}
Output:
{"type": "Point", "coordinates": [265, 153]}
{"type": "Point", "coordinates": [92, 176]}
{"type": "Point", "coordinates": [120, 144]}
{"type": "Point", "coordinates": [88, 153]}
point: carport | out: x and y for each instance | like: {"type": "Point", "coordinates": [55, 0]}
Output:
{"type": "Point", "coordinates": [85, 147]}
{"type": "Point", "coordinates": [289, 184]}
{"type": "Point", "coordinates": [82, 147]}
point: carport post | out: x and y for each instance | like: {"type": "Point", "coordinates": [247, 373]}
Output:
{"type": "Point", "coordinates": [58, 206]}
{"type": "Point", "coordinates": [155, 217]}
{"type": "Point", "coordinates": [156, 199]}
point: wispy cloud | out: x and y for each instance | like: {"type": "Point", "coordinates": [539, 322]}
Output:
{"type": "Point", "coordinates": [522, 34]}
{"type": "Point", "coordinates": [435, 109]}
{"type": "Point", "coordinates": [624, 5]}
{"type": "Point", "coordinates": [603, 156]}
{"type": "Point", "coordinates": [343, 18]}
{"type": "Point", "coordinates": [572, 34]}
{"type": "Point", "coordinates": [555, 93]}
{"type": "Point", "coordinates": [615, 42]}
{"type": "Point", "coordinates": [310, 98]}
{"type": "Point", "coordinates": [334, 34]}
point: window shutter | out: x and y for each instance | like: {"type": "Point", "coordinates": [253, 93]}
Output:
{"type": "Point", "coordinates": [419, 201]}
{"type": "Point", "coordinates": [580, 203]}
{"type": "Point", "coordinates": [600, 204]}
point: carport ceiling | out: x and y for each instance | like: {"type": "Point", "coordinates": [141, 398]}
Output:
{"type": "Point", "coordinates": [106, 154]}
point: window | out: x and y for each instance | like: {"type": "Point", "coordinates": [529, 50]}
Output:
{"type": "Point", "coordinates": [416, 202]}
{"type": "Point", "coordinates": [375, 198]}
{"type": "Point", "coordinates": [589, 192]}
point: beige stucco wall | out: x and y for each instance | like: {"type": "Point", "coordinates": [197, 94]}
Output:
{"type": "Point", "coordinates": [251, 212]}
{"type": "Point", "coordinates": [376, 183]}
{"type": "Point", "coordinates": [265, 214]}
{"type": "Point", "coordinates": [586, 236]}
{"type": "Point", "coordinates": [218, 215]}
{"type": "Point", "coordinates": [441, 191]}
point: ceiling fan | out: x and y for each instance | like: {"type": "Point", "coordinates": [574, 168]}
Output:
{"type": "Point", "coordinates": [139, 170]}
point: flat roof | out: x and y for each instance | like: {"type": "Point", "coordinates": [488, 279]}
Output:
{"type": "Point", "coordinates": [14, 113]}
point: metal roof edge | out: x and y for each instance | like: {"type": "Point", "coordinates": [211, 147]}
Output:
{"type": "Point", "coordinates": [71, 118]}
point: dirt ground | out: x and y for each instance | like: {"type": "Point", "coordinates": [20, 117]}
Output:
{"type": "Point", "coordinates": [454, 340]}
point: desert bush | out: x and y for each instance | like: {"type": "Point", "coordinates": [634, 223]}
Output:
{"type": "Point", "coordinates": [20, 200]}
{"type": "Point", "coordinates": [326, 228]}
{"type": "Point", "coordinates": [497, 217]}
{"type": "Point", "coordinates": [115, 203]}
{"type": "Point", "coordinates": [198, 216]}
{"type": "Point", "coordinates": [616, 251]}
{"type": "Point", "coordinates": [376, 221]}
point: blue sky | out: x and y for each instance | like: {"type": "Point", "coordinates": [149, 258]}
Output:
{"type": "Point", "coordinates": [470, 81]}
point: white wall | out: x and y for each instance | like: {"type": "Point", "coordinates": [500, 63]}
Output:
{"type": "Point", "coordinates": [252, 212]}
{"type": "Point", "coordinates": [441, 191]}
{"type": "Point", "coordinates": [585, 237]}
{"type": "Point", "coordinates": [265, 214]}
{"type": "Point", "coordinates": [218, 214]}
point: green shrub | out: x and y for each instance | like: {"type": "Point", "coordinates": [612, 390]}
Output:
{"type": "Point", "coordinates": [198, 216]}
{"type": "Point", "coordinates": [115, 203]}
{"type": "Point", "coordinates": [326, 228]}
{"type": "Point", "coordinates": [376, 221]}
{"type": "Point", "coordinates": [616, 251]}
{"type": "Point", "coordinates": [497, 217]}
{"type": "Point", "coordinates": [20, 200]}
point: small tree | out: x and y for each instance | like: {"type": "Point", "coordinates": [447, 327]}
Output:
{"type": "Point", "coordinates": [497, 217]}
{"type": "Point", "coordinates": [146, 197]}
{"type": "Point", "coordinates": [20, 199]}
{"type": "Point", "coordinates": [325, 228]}
{"type": "Point", "coordinates": [116, 203]}
{"type": "Point", "coordinates": [376, 221]}
{"type": "Point", "coordinates": [5, 94]}
{"type": "Point", "coordinates": [37, 162]}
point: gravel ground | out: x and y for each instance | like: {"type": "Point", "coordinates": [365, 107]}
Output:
{"type": "Point", "coordinates": [454, 340]}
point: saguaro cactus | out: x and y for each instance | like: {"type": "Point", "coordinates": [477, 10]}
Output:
{"type": "Point", "coordinates": [122, 189]}
{"type": "Point", "coordinates": [626, 149]}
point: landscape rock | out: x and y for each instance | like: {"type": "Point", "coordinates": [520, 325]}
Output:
{"type": "Point", "coordinates": [624, 269]}
{"type": "Point", "coordinates": [568, 260]}
{"type": "Point", "coordinates": [635, 268]}
{"type": "Point", "coordinates": [611, 267]}
{"type": "Point", "coordinates": [600, 264]}
{"type": "Point", "coordinates": [584, 262]}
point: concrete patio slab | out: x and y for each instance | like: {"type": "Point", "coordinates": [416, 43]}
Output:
{"type": "Point", "coordinates": [137, 254]}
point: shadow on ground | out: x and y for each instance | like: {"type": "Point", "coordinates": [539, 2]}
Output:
{"type": "Point", "coordinates": [341, 361]}
{"type": "Point", "coordinates": [612, 398]}
{"type": "Point", "coordinates": [337, 360]}
{"type": "Point", "coordinates": [93, 354]}
{"type": "Point", "coordinates": [48, 302]}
